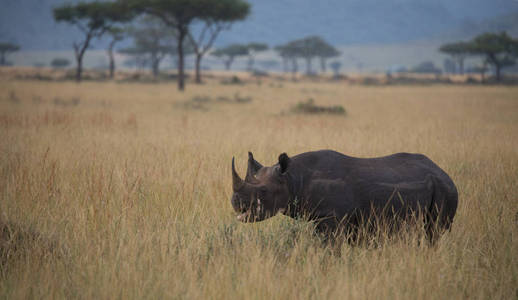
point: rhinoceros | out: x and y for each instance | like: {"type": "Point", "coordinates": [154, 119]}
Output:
{"type": "Point", "coordinates": [343, 192]}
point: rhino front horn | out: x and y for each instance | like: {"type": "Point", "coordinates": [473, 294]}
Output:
{"type": "Point", "coordinates": [237, 182]}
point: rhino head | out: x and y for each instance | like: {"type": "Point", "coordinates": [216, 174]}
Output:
{"type": "Point", "coordinates": [263, 193]}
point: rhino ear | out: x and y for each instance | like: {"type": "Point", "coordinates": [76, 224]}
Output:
{"type": "Point", "coordinates": [284, 162]}
{"type": "Point", "coordinates": [253, 167]}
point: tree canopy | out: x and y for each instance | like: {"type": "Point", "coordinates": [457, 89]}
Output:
{"type": "Point", "coordinates": [253, 49]}
{"type": "Point", "coordinates": [93, 19]}
{"type": "Point", "coordinates": [499, 50]}
{"type": "Point", "coordinates": [154, 39]}
{"type": "Point", "coordinates": [229, 53]}
{"type": "Point", "coordinates": [308, 48]}
{"type": "Point", "coordinates": [458, 51]}
{"type": "Point", "coordinates": [181, 14]}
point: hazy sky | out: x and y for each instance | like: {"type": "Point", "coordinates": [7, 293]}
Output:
{"type": "Point", "coordinates": [30, 22]}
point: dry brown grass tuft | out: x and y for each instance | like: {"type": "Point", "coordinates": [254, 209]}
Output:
{"type": "Point", "coordinates": [137, 189]}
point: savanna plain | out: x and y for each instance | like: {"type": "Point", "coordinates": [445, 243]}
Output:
{"type": "Point", "coordinates": [122, 190]}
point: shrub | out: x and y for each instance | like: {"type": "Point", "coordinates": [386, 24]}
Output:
{"type": "Point", "coordinates": [233, 80]}
{"type": "Point", "coordinates": [60, 63]}
{"type": "Point", "coordinates": [309, 107]}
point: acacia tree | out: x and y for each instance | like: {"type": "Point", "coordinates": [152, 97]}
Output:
{"type": "Point", "coordinates": [229, 53]}
{"type": "Point", "coordinates": [6, 48]}
{"type": "Point", "coordinates": [309, 48]}
{"type": "Point", "coordinates": [153, 39]}
{"type": "Point", "coordinates": [180, 15]}
{"type": "Point", "coordinates": [324, 52]}
{"type": "Point", "coordinates": [253, 49]}
{"type": "Point", "coordinates": [289, 53]}
{"type": "Point", "coordinates": [458, 52]}
{"type": "Point", "coordinates": [306, 49]}
{"type": "Point", "coordinates": [93, 19]}
{"type": "Point", "coordinates": [285, 57]}
{"type": "Point", "coordinates": [116, 35]}
{"type": "Point", "coordinates": [138, 57]}
{"type": "Point", "coordinates": [500, 50]}
{"type": "Point", "coordinates": [220, 18]}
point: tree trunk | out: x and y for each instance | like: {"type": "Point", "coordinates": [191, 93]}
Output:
{"type": "Point", "coordinates": [79, 68]}
{"type": "Point", "coordinates": [308, 65]}
{"type": "Point", "coordinates": [198, 67]}
{"type": "Point", "coordinates": [323, 64]}
{"type": "Point", "coordinates": [80, 52]}
{"type": "Point", "coordinates": [461, 66]}
{"type": "Point", "coordinates": [181, 72]}
{"type": "Point", "coordinates": [228, 63]}
{"type": "Point", "coordinates": [294, 68]}
{"type": "Point", "coordinates": [111, 58]}
{"type": "Point", "coordinates": [285, 64]}
{"type": "Point", "coordinates": [155, 62]}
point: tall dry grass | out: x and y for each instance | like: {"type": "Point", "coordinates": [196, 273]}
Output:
{"type": "Point", "coordinates": [125, 193]}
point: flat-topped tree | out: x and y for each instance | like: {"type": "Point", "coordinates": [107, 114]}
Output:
{"type": "Point", "coordinates": [220, 16]}
{"type": "Point", "coordinates": [182, 14]}
{"type": "Point", "coordinates": [499, 49]}
{"type": "Point", "coordinates": [138, 57]}
{"type": "Point", "coordinates": [289, 53]}
{"type": "Point", "coordinates": [229, 53]}
{"type": "Point", "coordinates": [458, 52]}
{"type": "Point", "coordinates": [93, 19]}
{"type": "Point", "coordinates": [6, 48]}
{"type": "Point", "coordinates": [324, 52]}
{"type": "Point", "coordinates": [306, 48]}
{"type": "Point", "coordinates": [153, 39]}
{"type": "Point", "coordinates": [253, 49]}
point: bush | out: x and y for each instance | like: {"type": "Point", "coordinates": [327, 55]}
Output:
{"type": "Point", "coordinates": [60, 63]}
{"type": "Point", "coordinates": [233, 80]}
{"type": "Point", "coordinates": [309, 107]}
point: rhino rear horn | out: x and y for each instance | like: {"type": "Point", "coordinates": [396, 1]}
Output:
{"type": "Point", "coordinates": [237, 182]}
{"type": "Point", "coordinates": [253, 167]}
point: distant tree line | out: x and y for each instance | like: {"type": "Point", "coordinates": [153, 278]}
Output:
{"type": "Point", "coordinates": [178, 28]}
{"type": "Point", "coordinates": [177, 19]}
{"type": "Point", "coordinates": [307, 48]}
{"type": "Point", "coordinates": [498, 50]}
{"type": "Point", "coordinates": [230, 52]}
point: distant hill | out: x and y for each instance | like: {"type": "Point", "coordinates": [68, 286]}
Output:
{"type": "Point", "coordinates": [30, 22]}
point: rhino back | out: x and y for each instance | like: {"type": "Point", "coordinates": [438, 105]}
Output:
{"type": "Point", "coordinates": [338, 184]}
{"type": "Point", "coordinates": [395, 168]}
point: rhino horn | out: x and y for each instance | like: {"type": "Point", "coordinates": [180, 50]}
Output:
{"type": "Point", "coordinates": [253, 167]}
{"type": "Point", "coordinates": [237, 182]}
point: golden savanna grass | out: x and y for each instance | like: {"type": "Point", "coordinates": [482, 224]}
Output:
{"type": "Point", "coordinates": [122, 190]}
